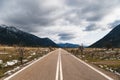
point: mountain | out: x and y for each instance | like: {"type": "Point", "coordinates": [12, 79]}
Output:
{"type": "Point", "coordinates": [68, 45]}
{"type": "Point", "coordinates": [113, 38]}
{"type": "Point", "coordinates": [10, 35]}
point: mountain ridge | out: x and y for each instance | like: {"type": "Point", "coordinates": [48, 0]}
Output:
{"type": "Point", "coordinates": [113, 38]}
{"type": "Point", "coordinates": [68, 45]}
{"type": "Point", "coordinates": [10, 35]}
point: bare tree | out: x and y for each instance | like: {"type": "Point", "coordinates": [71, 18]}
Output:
{"type": "Point", "coordinates": [21, 51]}
{"type": "Point", "coordinates": [81, 48]}
{"type": "Point", "coordinates": [109, 46]}
{"type": "Point", "coordinates": [4, 50]}
{"type": "Point", "coordinates": [50, 48]}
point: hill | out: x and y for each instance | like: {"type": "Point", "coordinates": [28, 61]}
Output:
{"type": "Point", "coordinates": [113, 38]}
{"type": "Point", "coordinates": [10, 35]}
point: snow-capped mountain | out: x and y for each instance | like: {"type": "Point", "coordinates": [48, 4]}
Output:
{"type": "Point", "coordinates": [10, 35]}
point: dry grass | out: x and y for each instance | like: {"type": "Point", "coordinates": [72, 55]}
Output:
{"type": "Point", "coordinates": [8, 54]}
{"type": "Point", "coordinates": [106, 59]}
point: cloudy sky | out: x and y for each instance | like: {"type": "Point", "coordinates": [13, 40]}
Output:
{"type": "Point", "coordinates": [74, 21]}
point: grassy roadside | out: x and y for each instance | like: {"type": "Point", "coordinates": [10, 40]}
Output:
{"type": "Point", "coordinates": [9, 58]}
{"type": "Point", "coordinates": [106, 59]}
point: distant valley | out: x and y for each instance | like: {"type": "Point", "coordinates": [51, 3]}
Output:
{"type": "Point", "coordinates": [68, 45]}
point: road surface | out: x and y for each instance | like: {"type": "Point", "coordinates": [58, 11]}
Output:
{"type": "Point", "coordinates": [59, 65]}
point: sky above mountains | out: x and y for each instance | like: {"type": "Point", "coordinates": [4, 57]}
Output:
{"type": "Point", "coordinates": [74, 21]}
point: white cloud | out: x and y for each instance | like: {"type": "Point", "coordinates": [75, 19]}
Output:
{"type": "Point", "coordinates": [49, 18]}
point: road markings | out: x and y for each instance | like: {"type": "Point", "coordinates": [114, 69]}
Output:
{"type": "Point", "coordinates": [8, 78]}
{"type": "Point", "coordinates": [107, 77]}
{"type": "Point", "coordinates": [59, 73]}
{"type": "Point", "coordinates": [57, 69]}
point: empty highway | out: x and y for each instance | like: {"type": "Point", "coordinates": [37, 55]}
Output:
{"type": "Point", "coordinates": [59, 65]}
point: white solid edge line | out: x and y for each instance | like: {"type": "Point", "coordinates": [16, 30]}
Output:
{"type": "Point", "coordinates": [109, 78]}
{"type": "Point", "coordinates": [61, 73]}
{"type": "Point", "coordinates": [27, 66]}
{"type": "Point", "coordinates": [57, 69]}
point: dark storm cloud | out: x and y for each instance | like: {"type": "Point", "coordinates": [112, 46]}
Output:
{"type": "Point", "coordinates": [33, 14]}
{"type": "Point", "coordinates": [66, 36]}
{"type": "Point", "coordinates": [96, 10]}
{"type": "Point", "coordinates": [91, 27]}
{"type": "Point", "coordinates": [1, 3]}
{"type": "Point", "coordinates": [90, 10]}
{"type": "Point", "coordinates": [28, 13]}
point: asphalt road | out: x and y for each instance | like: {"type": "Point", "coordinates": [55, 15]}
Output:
{"type": "Point", "coordinates": [59, 65]}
